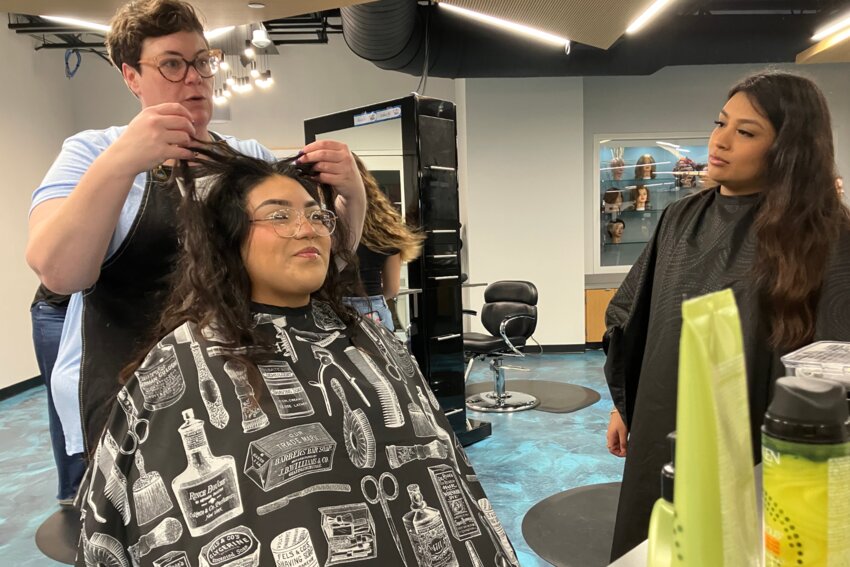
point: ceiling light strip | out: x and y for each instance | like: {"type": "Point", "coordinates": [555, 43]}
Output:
{"type": "Point", "coordinates": [508, 25]}
{"type": "Point", "coordinates": [76, 22]}
{"type": "Point", "coordinates": [644, 18]}
{"type": "Point", "coordinates": [831, 28]}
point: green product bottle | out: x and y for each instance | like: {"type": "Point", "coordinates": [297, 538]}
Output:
{"type": "Point", "coordinates": [806, 468]}
{"type": "Point", "coordinates": [661, 522]}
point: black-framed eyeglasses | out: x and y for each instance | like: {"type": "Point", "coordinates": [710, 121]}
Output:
{"type": "Point", "coordinates": [287, 222]}
{"type": "Point", "coordinates": [174, 68]}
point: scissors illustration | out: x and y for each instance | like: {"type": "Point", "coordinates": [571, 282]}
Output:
{"type": "Point", "coordinates": [137, 427]}
{"type": "Point", "coordinates": [383, 496]}
{"type": "Point", "coordinates": [326, 360]}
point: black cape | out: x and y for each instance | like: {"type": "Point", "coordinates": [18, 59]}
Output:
{"type": "Point", "coordinates": [338, 453]}
{"type": "Point", "coordinates": [703, 244]}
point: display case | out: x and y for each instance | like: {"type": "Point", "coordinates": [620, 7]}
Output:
{"type": "Point", "coordinates": [635, 178]}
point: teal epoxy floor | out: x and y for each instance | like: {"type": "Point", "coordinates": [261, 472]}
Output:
{"type": "Point", "coordinates": [530, 456]}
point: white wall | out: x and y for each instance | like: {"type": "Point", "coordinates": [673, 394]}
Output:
{"type": "Point", "coordinates": [35, 112]}
{"type": "Point", "coordinates": [688, 99]}
{"type": "Point", "coordinates": [524, 141]}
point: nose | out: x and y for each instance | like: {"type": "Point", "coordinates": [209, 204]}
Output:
{"type": "Point", "coordinates": [192, 75]}
{"type": "Point", "coordinates": [305, 228]}
{"type": "Point", "coordinates": [721, 137]}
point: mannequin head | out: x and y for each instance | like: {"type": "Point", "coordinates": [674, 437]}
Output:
{"type": "Point", "coordinates": [618, 167]}
{"type": "Point", "coordinates": [645, 167]}
{"type": "Point", "coordinates": [612, 200]}
{"type": "Point", "coordinates": [615, 230]}
{"type": "Point", "coordinates": [682, 171]}
{"type": "Point", "coordinates": [641, 198]}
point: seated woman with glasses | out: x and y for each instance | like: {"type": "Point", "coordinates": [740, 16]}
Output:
{"type": "Point", "coordinates": [268, 424]}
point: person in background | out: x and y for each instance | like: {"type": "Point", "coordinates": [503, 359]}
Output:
{"type": "Point", "coordinates": [386, 242]}
{"type": "Point", "coordinates": [48, 316]}
{"type": "Point", "coordinates": [102, 223]}
{"type": "Point", "coordinates": [773, 231]}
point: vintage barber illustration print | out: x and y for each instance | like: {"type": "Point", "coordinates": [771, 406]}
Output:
{"type": "Point", "coordinates": [325, 449]}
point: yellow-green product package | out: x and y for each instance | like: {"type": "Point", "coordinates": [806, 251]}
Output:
{"type": "Point", "coordinates": [806, 469]}
{"type": "Point", "coordinates": [716, 521]}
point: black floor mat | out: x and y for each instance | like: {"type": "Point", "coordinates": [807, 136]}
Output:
{"type": "Point", "coordinates": [574, 528]}
{"type": "Point", "coordinates": [58, 535]}
{"type": "Point", "coordinates": [555, 397]}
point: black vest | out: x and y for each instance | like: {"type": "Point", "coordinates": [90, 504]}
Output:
{"type": "Point", "coordinates": [122, 307]}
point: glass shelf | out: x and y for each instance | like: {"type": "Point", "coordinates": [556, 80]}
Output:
{"type": "Point", "coordinates": [661, 168]}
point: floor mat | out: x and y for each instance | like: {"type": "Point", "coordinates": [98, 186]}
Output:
{"type": "Point", "coordinates": [555, 397]}
{"type": "Point", "coordinates": [574, 528]}
{"type": "Point", "coordinates": [57, 537]}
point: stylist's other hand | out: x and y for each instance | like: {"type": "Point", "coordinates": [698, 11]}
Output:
{"type": "Point", "coordinates": [157, 134]}
{"type": "Point", "coordinates": [334, 165]}
{"type": "Point", "coordinates": [617, 435]}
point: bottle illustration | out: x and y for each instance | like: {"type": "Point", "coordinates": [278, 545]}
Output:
{"type": "Point", "coordinates": [208, 490]}
{"type": "Point", "coordinates": [253, 416]}
{"type": "Point", "coordinates": [160, 378]}
{"type": "Point", "coordinates": [427, 533]}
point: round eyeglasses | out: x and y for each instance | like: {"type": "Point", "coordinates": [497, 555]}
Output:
{"type": "Point", "coordinates": [287, 222]}
{"type": "Point", "coordinates": [175, 69]}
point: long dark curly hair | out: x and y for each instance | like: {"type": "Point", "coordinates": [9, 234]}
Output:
{"type": "Point", "coordinates": [801, 215]}
{"type": "Point", "coordinates": [210, 286]}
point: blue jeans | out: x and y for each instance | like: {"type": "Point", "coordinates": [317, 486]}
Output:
{"type": "Point", "coordinates": [47, 323]}
{"type": "Point", "coordinates": [375, 307]}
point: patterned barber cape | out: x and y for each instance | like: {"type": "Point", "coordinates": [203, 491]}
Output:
{"type": "Point", "coordinates": [335, 452]}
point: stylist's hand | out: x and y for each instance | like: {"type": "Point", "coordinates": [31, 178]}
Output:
{"type": "Point", "coordinates": [617, 435]}
{"type": "Point", "coordinates": [157, 134]}
{"type": "Point", "coordinates": [334, 165]}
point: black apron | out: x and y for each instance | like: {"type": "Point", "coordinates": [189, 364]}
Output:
{"type": "Point", "coordinates": [122, 307]}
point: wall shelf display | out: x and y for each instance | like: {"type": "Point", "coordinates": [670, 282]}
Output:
{"type": "Point", "coordinates": [636, 177]}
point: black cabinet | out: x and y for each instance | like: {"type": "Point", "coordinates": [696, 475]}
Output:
{"type": "Point", "coordinates": [428, 151]}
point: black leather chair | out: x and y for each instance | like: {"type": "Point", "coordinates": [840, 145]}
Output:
{"type": "Point", "coordinates": [510, 315]}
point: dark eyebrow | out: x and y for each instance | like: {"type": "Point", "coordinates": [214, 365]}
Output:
{"type": "Point", "coordinates": [178, 54]}
{"type": "Point", "coordinates": [284, 203]}
{"type": "Point", "coordinates": [744, 120]}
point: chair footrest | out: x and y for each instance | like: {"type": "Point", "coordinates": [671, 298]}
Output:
{"type": "Point", "coordinates": [509, 402]}
{"type": "Point", "coordinates": [520, 368]}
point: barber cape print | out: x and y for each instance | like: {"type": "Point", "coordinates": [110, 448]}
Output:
{"type": "Point", "coordinates": [328, 449]}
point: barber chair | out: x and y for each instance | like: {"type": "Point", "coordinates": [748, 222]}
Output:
{"type": "Point", "coordinates": [510, 316]}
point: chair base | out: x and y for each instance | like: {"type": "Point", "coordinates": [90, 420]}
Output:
{"type": "Point", "coordinates": [510, 402]}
